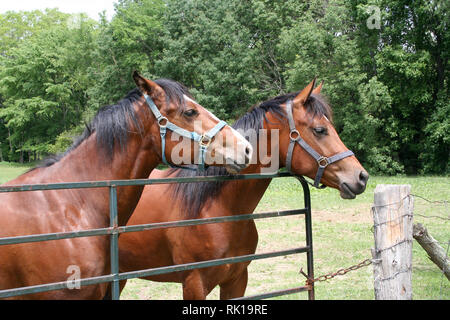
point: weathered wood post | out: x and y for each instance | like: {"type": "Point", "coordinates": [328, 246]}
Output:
{"type": "Point", "coordinates": [392, 255]}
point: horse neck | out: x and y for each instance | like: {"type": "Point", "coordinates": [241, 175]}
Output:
{"type": "Point", "coordinates": [242, 196]}
{"type": "Point", "coordinates": [253, 189]}
{"type": "Point", "coordinates": [86, 163]}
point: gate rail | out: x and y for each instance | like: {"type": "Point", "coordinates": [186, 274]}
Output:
{"type": "Point", "coordinates": [114, 230]}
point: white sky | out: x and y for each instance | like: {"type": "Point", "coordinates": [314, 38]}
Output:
{"type": "Point", "coordinates": [91, 7]}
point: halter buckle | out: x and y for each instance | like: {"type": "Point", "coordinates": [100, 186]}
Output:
{"type": "Point", "coordinates": [163, 119]}
{"type": "Point", "coordinates": [295, 133]}
{"type": "Point", "coordinates": [323, 162]}
{"type": "Point", "coordinates": [204, 141]}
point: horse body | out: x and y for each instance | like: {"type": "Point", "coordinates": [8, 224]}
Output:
{"type": "Point", "coordinates": [49, 211]}
{"type": "Point", "coordinates": [213, 241]}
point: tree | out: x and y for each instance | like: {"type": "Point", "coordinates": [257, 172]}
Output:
{"type": "Point", "coordinates": [385, 84]}
{"type": "Point", "coordinates": [226, 50]}
{"type": "Point", "coordinates": [387, 81]}
{"type": "Point", "coordinates": [131, 41]}
{"type": "Point", "coordinates": [43, 84]}
{"type": "Point", "coordinates": [410, 56]}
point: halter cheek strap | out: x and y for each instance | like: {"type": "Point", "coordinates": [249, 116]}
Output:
{"type": "Point", "coordinates": [203, 140]}
{"type": "Point", "coordinates": [322, 161]}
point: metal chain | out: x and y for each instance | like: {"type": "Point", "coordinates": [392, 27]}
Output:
{"type": "Point", "coordinates": [367, 262]}
{"type": "Point", "coordinates": [339, 272]}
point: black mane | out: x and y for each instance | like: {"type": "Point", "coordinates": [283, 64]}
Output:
{"type": "Point", "coordinates": [113, 123]}
{"type": "Point", "coordinates": [195, 195]}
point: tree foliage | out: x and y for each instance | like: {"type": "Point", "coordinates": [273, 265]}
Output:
{"type": "Point", "coordinates": [43, 83]}
{"type": "Point", "coordinates": [388, 85]}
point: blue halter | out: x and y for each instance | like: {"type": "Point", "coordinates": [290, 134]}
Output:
{"type": "Point", "coordinates": [203, 140]}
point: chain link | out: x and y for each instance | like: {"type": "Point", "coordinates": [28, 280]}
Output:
{"type": "Point", "coordinates": [339, 272]}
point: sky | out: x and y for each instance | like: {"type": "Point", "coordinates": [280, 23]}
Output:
{"type": "Point", "coordinates": [91, 7]}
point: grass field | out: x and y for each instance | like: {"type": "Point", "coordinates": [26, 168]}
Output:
{"type": "Point", "coordinates": [342, 237]}
{"type": "Point", "coordinates": [9, 171]}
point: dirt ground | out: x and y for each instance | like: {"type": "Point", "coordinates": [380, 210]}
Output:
{"type": "Point", "coordinates": [360, 214]}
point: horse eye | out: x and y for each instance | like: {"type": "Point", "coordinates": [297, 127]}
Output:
{"type": "Point", "coordinates": [190, 113]}
{"type": "Point", "coordinates": [320, 131]}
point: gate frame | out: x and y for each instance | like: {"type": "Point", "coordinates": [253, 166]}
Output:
{"type": "Point", "coordinates": [114, 230]}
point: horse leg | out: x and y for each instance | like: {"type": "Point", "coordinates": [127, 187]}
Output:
{"type": "Point", "coordinates": [108, 295]}
{"type": "Point", "coordinates": [193, 287]}
{"type": "Point", "coordinates": [235, 287]}
{"type": "Point", "coordinates": [122, 284]}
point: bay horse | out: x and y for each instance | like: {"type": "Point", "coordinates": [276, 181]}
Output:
{"type": "Point", "coordinates": [312, 118]}
{"type": "Point", "coordinates": [123, 141]}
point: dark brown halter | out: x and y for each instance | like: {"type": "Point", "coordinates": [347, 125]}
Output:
{"type": "Point", "coordinates": [322, 161]}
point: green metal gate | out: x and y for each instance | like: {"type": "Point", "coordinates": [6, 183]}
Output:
{"type": "Point", "coordinates": [114, 230]}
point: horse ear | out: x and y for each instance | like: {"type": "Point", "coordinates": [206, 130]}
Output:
{"type": "Point", "coordinates": [318, 88]}
{"type": "Point", "coordinates": [147, 86]}
{"type": "Point", "coordinates": [303, 96]}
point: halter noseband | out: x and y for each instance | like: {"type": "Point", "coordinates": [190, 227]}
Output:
{"type": "Point", "coordinates": [203, 140]}
{"type": "Point", "coordinates": [322, 161]}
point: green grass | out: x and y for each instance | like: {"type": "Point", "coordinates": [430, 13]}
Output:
{"type": "Point", "coordinates": [342, 237]}
{"type": "Point", "coordinates": [9, 171]}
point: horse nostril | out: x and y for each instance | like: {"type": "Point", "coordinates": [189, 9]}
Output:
{"type": "Point", "coordinates": [248, 154]}
{"type": "Point", "coordinates": [363, 176]}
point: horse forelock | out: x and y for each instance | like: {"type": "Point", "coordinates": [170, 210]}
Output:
{"type": "Point", "coordinates": [317, 106]}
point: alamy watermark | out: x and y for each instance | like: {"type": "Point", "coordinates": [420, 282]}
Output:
{"type": "Point", "coordinates": [73, 281]}
{"type": "Point", "coordinates": [374, 20]}
{"type": "Point", "coordinates": [74, 21]}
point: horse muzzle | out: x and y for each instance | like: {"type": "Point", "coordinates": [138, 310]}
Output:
{"type": "Point", "coordinates": [349, 190]}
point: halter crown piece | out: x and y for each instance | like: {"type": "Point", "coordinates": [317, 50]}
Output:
{"type": "Point", "coordinates": [322, 161]}
{"type": "Point", "coordinates": [203, 140]}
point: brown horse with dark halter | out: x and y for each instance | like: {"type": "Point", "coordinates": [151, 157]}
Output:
{"type": "Point", "coordinates": [311, 119]}
{"type": "Point", "coordinates": [123, 142]}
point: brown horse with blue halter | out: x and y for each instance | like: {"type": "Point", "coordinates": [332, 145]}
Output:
{"type": "Point", "coordinates": [302, 118]}
{"type": "Point", "coordinates": [122, 142]}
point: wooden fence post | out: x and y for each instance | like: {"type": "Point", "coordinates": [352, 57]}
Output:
{"type": "Point", "coordinates": [392, 255]}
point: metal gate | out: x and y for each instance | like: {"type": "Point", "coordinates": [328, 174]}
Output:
{"type": "Point", "coordinates": [114, 230]}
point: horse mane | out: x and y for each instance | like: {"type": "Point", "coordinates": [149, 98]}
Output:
{"type": "Point", "coordinates": [195, 195]}
{"type": "Point", "coordinates": [113, 123]}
